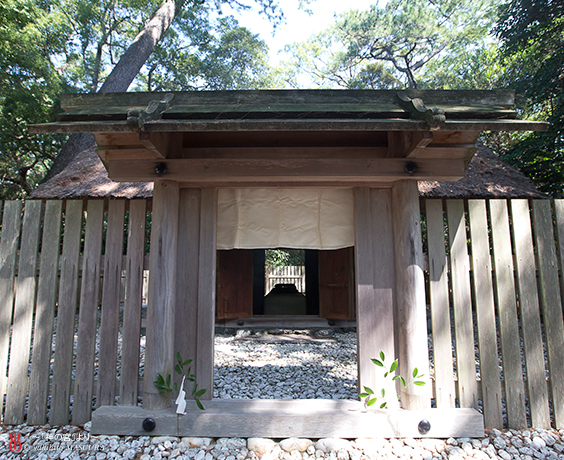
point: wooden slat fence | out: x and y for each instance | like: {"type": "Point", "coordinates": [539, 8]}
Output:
{"type": "Point", "coordinates": [73, 281]}
{"type": "Point", "coordinates": [291, 274]}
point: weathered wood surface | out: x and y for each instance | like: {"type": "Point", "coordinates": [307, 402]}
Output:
{"type": "Point", "coordinates": [507, 314]}
{"type": "Point", "coordinates": [462, 305]}
{"type": "Point", "coordinates": [440, 309]}
{"type": "Point", "coordinates": [551, 304]}
{"type": "Point", "coordinates": [290, 97]}
{"type": "Point", "coordinates": [298, 170]}
{"type": "Point", "coordinates": [23, 316]}
{"type": "Point", "coordinates": [88, 313]}
{"type": "Point", "coordinates": [206, 291]}
{"type": "Point", "coordinates": [132, 304]}
{"type": "Point", "coordinates": [68, 293]}
{"type": "Point", "coordinates": [374, 285]}
{"type": "Point", "coordinates": [187, 274]}
{"type": "Point", "coordinates": [411, 313]}
{"type": "Point", "coordinates": [11, 222]}
{"type": "Point", "coordinates": [289, 418]}
{"type": "Point", "coordinates": [320, 125]}
{"type": "Point", "coordinates": [159, 353]}
{"type": "Point", "coordinates": [485, 314]}
{"type": "Point", "coordinates": [109, 315]}
{"type": "Point", "coordinates": [45, 312]}
{"type": "Point", "coordinates": [529, 313]}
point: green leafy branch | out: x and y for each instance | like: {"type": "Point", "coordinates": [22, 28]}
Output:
{"type": "Point", "coordinates": [369, 395]}
{"type": "Point", "coordinates": [163, 384]}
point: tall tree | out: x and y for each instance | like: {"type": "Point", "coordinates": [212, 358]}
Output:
{"type": "Point", "coordinates": [384, 45]}
{"type": "Point", "coordinates": [533, 37]}
{"type": "Point", "coordinates": [80, 45]}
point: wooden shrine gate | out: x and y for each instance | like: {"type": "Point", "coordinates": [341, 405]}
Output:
{"type": "Point", "coordinates": [53, 286]}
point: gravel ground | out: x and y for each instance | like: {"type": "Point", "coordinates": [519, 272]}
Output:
{"type": "Point", "coordinates": [286, 365]}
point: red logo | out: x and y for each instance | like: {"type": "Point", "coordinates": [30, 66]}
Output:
{"type": "Point", "coordinates": [15, 444]}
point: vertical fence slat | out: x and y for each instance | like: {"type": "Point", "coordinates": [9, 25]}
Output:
{"type": "Point", "coordinates": [507, 315]}
{"type": "Point", "coordinates": [45, 312]}
{"type": "Point", "coordinates": [551, 304]}
{"type": "Point", "coordinates": [129, 382]}
{"type": "Point", "coordinates": [86, 344]}
{"type": "Point", "coordinates": [23, 315]}
{"type": "Point", "coordinates": [440, 311]}
{"type": "Point", "coordinates": [68, 292]}
{"type": "Point", "coordinates": [11, 222]}
{"type": "Point", "coordinates": [462, 305]}
{"type": "Point", "coordinates": [530, 314]}
{"type": "Point", "coordinates": [485, 314]}
{"type": "Point", "coordinates": [109, 322]}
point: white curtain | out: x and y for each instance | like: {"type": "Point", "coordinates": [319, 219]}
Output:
{"type": "Point", "coordinates": [293, 218]}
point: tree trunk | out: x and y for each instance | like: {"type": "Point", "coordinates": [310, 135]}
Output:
{"type": "Point", "coordinates": [122, 75]}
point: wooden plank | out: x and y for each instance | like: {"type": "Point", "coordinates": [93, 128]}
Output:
{"type": "Point", "coordinates": [11, 222]}
{"type": "Point", "coordinates": [66, 312]}
{"type": "Point", "coordinates": [551, 304]}
{"type": "Point", "coordinates": [88, 313]}
{"type": "Point", "coordinates": [109, 315]}
{"type": "Point", "coordinates": [462, 305]}
{"type": "Point", "coordinates": [133, 303]}
{"type": "Point", "coordinates": [295, 152]}
{"type": "Point", "coordinates": [289, 418]}
{"type": "Point", "coordinates": [159, 347]}
{"type": "Point", "coordinates": [485, 314]}
{"type": "Point", "coordinates": [440, 308]}
{"type": "Point", "coordinates": [23, 315]}
{"type": "Point", "coordinates": [507, 315]}
{"type": "Point", "coordinates": [256, 97]}
{"type": "Point", "coordinates": [404, 144]}
{"type": "Point", "coordinates": [186, 315]}
{"type": "Point", "coordinates": [206, 291]}
{"type": "Point", "coordinates": [529, 312]}
{"type": "Point", "coordinates": [45, 312]}
{"type": "Point", "coordinates": [234, 284]}
{"type": "Point", "coordinates": [336, 281]}
{"type": "Point", "coordinates": [411, 307]}
{"type": "Point", "coordinates": [295, 169]}
{"type": "Point", "coordinates": [320, 125]}
{"type": "Point", "coordinates": [374, 285]}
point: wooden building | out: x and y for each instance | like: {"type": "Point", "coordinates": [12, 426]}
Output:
{"type": "Point", "coordinates": [331, 171]}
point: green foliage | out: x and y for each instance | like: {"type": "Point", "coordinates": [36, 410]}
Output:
{"type": "Point", "coordinates": [387, 46]}
{"type": "Point", "coordinates": [284, 257]}
{"type": "Point", "coordinates": [369, 395]}
{"type": "Point", "coordinates": [163, 383]}
{"type": "Point", "coordinates": [532, 33]}
{"type": "Point", "coordinates": [48, 47]}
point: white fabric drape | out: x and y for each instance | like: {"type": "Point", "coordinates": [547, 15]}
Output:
{"type": "Point", "coordinates": [285, 218]}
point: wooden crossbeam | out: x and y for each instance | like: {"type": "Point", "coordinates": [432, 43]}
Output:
{"type": "Point", "coordinates": [218, 170]}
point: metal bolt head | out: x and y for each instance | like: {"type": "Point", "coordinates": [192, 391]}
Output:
{"type": "Point", "coordinates": [411, 167]}
{"type": "Point", "coordinates": [149, 424]}
{"type": "Point", "coordinates": [424, 426]}
{"type": "Point", "coordinates": [160, 168]}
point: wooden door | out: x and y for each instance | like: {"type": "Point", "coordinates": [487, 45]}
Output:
{"type": "Point", "coordinates": [336, 284]}
{"type": "Point", "coordinates": [234, 284]}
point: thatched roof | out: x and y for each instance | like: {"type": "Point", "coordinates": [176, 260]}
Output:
{"type": "Point", "coordinates": [486, 177]}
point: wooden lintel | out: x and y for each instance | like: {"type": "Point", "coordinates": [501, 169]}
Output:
{"type": "Point", "coordinates": [287, 418]}
{"type": "Point", "coordinates": [285, 152]}
{"type": "Point", "coordinates": [164, 145]}
{"type": "Point", "coordinates": [405, 144]}
{"type": "Point", "coordinates": [290, 170]}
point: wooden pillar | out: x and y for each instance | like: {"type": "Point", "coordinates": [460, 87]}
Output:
{"type": "Point", "coordinates": [411, 317]}
{"type": "Point", "coordinates": [375, 286]}
{"type": "Point", "coordinates": [206, 291]}
{"type": "Point", "coordinates": [159, 349]}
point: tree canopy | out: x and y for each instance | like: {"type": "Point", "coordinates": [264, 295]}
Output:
{"type": "Point", "coordinates": [532, 33]}
{"type": "Point", "coordinates": [52, 46]}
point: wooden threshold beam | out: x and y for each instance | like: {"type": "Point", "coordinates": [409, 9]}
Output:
{"type": "Point", "coordinates": [287, 418]}
{"type": "Point", "coordinates": [296, 171]}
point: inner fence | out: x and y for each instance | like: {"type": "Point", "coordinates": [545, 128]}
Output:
{"type": "Point", "coordinates": [72, 288]}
